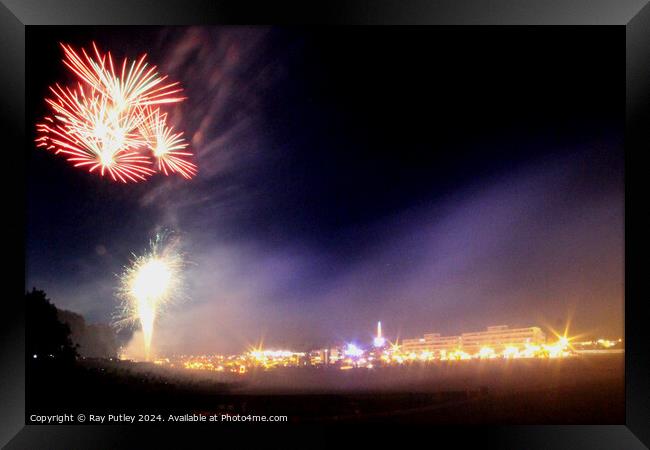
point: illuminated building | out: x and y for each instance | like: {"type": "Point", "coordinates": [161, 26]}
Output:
{"type": "Point", "coordinates": [497, 337]}
{"type": "Point", "coordinates": [379, 341]}
{"type": "Point", "coordinates": [501, 336]}
{"type": "Point", "coordinates": [269, 359]}
{"type": "Point", "coordinates": [599, 346]}
{"type": "Point", "coordinates": [318, 357]}
{"type": "Point", "coordinates": [431, 342]}
{"type": "Point", "coordinates": [496, 342]}
{"type": "Point", "coordinates": [335, 354]}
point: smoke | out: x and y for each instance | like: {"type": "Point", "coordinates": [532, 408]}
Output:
{"type": "Point", "coordinates": [523, 248]}
{"type": "Point", "coordinates": [134, 349]}
{"type": "Point", "coordinates": [270, 262]}
{"type": "Point", "coordinates": [224, 75]}
{"type": "Point", "coordinates": [517, 251]}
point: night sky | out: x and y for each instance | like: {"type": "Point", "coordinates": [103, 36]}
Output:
{"type": "Point", "coordinates": [437, 179]}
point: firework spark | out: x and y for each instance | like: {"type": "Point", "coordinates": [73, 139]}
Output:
{"type": "Point", "coordinates": [136, 83]}
{"type": "Point", "coordinates": [168, 147]}
{"type": "Point", "coordinates": [149, 284]}
{"type": "Point", "coordinates": [110, 122]}
{"type": "Point", "coordinates": [94, 135]}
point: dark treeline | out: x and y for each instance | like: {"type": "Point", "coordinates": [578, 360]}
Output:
{"type": "Point", "coordinates": [64, 334]}
{"type": "Point", "coordinates": [92, 340]}
{"type": "Point", "coordinates": [574, 391]}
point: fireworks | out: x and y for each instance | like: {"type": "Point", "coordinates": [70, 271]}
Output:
{"type": "Point", "coordinates": [168, 147]}
{"type": "Point", "coordinates": [110, 122]}
{"type": "Point", "coordinates": [149, 284]}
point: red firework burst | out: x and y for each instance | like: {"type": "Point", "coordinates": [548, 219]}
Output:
{"type": "Point", "coordinates": [168, 147]}
{"type": "Point", "coordinates": [111, 122]}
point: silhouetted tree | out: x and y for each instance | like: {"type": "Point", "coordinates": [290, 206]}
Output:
{"type": "Point", "coordinates": [46, 337]}
{"type": "Point", "coordinates": [93, 340]}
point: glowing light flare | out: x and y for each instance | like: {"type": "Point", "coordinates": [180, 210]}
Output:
{"type": "Point", "coordinates": [353, 350]}
{"type": "Point", "coordinates": [148, 287]}
{"type": "Point", "coordinates": [510, 352]}
{"type": "Point", "coordinates": [560, 348]}
{"type": "Point", "coordinates": [606, 343]}
{"type": "Point", "coordinates": [378, 340]}
{"type": "Point", "coordinates": [152, 279]}
{"type": "Point", "coordinates": [269, 359]}
{"type": "Point", "coordinates": [458, 355]}
{"type": "Point", "coordinates": [486, 353]}
{"type": "Point", "coordinates": [149, 284]}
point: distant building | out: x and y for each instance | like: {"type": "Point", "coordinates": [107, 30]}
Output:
{"type": "Point", "coordinates": [335, 355]}
{"type": "Point", "coordinates": [431, 342]}
{"type": "Point", "coordinates": [319, 357]}
{"type": "Point", "coordinates": [497, 337]}
{"type": "Point", "coordinates": [379, 341]}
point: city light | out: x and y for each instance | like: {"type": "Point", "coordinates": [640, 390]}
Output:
{"type": "Point", "coordinates": [353, 350]}
{"type": "Point", "coordinates": [510, 352]}
{"type": "Point", "coordinates": [379, 341]}
{"type": "Point", "coordinates": [486, 352]}
{"type": "Point", "coordinates": [351, 356]}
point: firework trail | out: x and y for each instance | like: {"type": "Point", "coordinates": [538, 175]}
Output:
{"type": "Point", "coordinates": [149, 284]}
{"type": "Point", "coordinates": [111, 122]}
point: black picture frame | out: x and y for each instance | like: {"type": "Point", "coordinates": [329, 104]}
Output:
{"type": "Point", "coordinates": [633, 15]}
